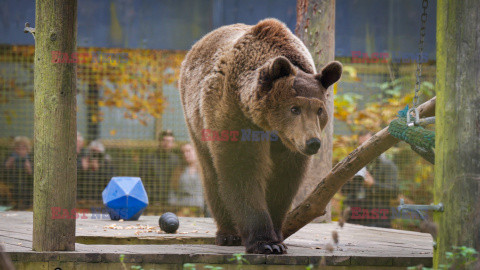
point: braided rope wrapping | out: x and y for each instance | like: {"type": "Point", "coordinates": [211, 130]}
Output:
{"type": "Point", "coordinates": [421, 140]}
{"type": "Point", "coordinates": [414, 135]}
{"type": "Point", "coordinates": [428, 155]}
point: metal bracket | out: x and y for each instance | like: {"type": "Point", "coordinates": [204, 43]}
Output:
{"type": "Point", "coordinates": [420, 207]}
{"type": "Point", "coordinates": [425, 121]}
{"type": "Point", "coordinates": [417, 117]}
{"type": "Point", "coordinates": [29, 29]}
{"type": "Point", "coordinates": [418, 121]}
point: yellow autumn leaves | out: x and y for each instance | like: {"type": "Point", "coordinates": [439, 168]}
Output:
{"type": "Point", "coordinates": [133, 81]}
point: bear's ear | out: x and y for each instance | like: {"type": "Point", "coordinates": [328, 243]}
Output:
{"type": "Point", "coordinates": [330, 74]}
{"type": "Point", "coordinates": [280, 67]}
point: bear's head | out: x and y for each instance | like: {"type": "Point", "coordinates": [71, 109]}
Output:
{"type": "Point", "coordinates": [293, 102]}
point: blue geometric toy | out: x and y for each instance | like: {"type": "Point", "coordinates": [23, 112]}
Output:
{"type": "Point", "coordinates": [125, 198]}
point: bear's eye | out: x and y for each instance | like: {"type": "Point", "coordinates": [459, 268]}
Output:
{"type": "Point", "coordinates": [320, 111]}
{"type": "Point", "coordinates": [295, 110]}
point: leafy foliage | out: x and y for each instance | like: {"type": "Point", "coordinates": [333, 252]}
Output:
{"type": "Point", "coordinates": [459, 258]}
{"type": "Point", "coordinates": [133, 81]}
{"type": "Point", "coordinates": [238, 258]}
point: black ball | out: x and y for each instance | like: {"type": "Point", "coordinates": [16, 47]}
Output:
{"type": "Point", "coordinates": [169, 222]}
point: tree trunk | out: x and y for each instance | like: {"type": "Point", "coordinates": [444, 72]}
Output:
{"type": "Point", "coordinates": [457, 164]}
{"type": "Point", "coordinates": [314, 205]}
{"type": "Point", "coordinates": [316, 28]}
{"type": "Point", "coordinates": [55, 125]}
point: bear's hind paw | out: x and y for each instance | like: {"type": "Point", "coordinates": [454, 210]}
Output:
{"type": "Point", "coordinates": [228, 240]}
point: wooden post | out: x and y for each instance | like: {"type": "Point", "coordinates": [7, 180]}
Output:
{"type": "Point", "coordinates": [314, 205]}
{"type": "Point", "coordinates": [55, 125]}
{"type": "Point", "coordinates": [316, 28]}
{"type": "Point", "coordinates": [457, 150]}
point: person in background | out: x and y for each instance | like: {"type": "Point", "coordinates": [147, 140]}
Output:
{"type": "Point", "coordinates": [82, 165]}
{"type": "Point", "coordinates": [158, 170]}
{"type": "Point", "coordinates": [19, 172]}
{"type": "Point", "coordinates": [187, 191]}
{"type": "Point", "coordinates": [82, 161]}
{"type": "Point", "coordinates": [98, 171]}
{"type": "Point", "coordinates": [373, 187]}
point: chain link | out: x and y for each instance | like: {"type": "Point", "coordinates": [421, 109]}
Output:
{"type": "Point", "coordinates": [423, 20]}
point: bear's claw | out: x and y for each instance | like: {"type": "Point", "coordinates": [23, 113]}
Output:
{"type": "Point", "coordinates": [264, 248]}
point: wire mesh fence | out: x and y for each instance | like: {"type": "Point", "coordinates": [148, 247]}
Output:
{"type": "Point", "coordinates": [129, 120]}
{"type": "Point", "coordinates": [130, 123]}
{"type": "Point", "coordinates": [369, 96]}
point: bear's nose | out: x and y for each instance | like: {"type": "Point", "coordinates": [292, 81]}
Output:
{"type": "Point", "coordinates": [313, 145]}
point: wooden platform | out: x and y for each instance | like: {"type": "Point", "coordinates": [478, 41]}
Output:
{"type": "Point", "coordinates": [100, 242]}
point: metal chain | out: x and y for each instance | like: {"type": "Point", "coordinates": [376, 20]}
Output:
{"type": "Point", "coordinates": [423, 19]}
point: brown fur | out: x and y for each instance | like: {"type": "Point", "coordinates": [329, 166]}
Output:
{"type": "Point", "coordinates": [260, 78]}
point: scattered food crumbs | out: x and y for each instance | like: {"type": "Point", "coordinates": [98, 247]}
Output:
{"type": "Point", "coordinates": [20, 243]}
{"type": "Point", "coordinates": [195, 231]}
{"type": "Point", "coordinates": [121, 220]}
{"type": "Point", "coordinates": [207, 231]}
{"type": "Point", "coordinates": [183, 233]}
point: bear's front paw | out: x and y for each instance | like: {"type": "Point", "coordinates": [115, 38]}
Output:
{"type": "Point", "coordinates": [228, 240]}
{"type": "Point", "coordinates": [267, 248]}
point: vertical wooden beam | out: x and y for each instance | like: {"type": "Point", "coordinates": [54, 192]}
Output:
{"type": "Point", "coordinates": [457, 156]}
{"type": "Point", "coordinates": [55, 125]}
{"type": "Point", "coordinates": [316, 28]}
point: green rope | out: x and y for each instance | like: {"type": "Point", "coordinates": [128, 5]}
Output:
{"type": "Point", "coordinates": [421, 140]}
{"type": "Point", "coordinates": [414, 135]}
{"type": "Point", "coordinates": [428, 155]}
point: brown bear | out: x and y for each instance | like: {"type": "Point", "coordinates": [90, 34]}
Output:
{"type": "Point", "coordinates": [262, 78]}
